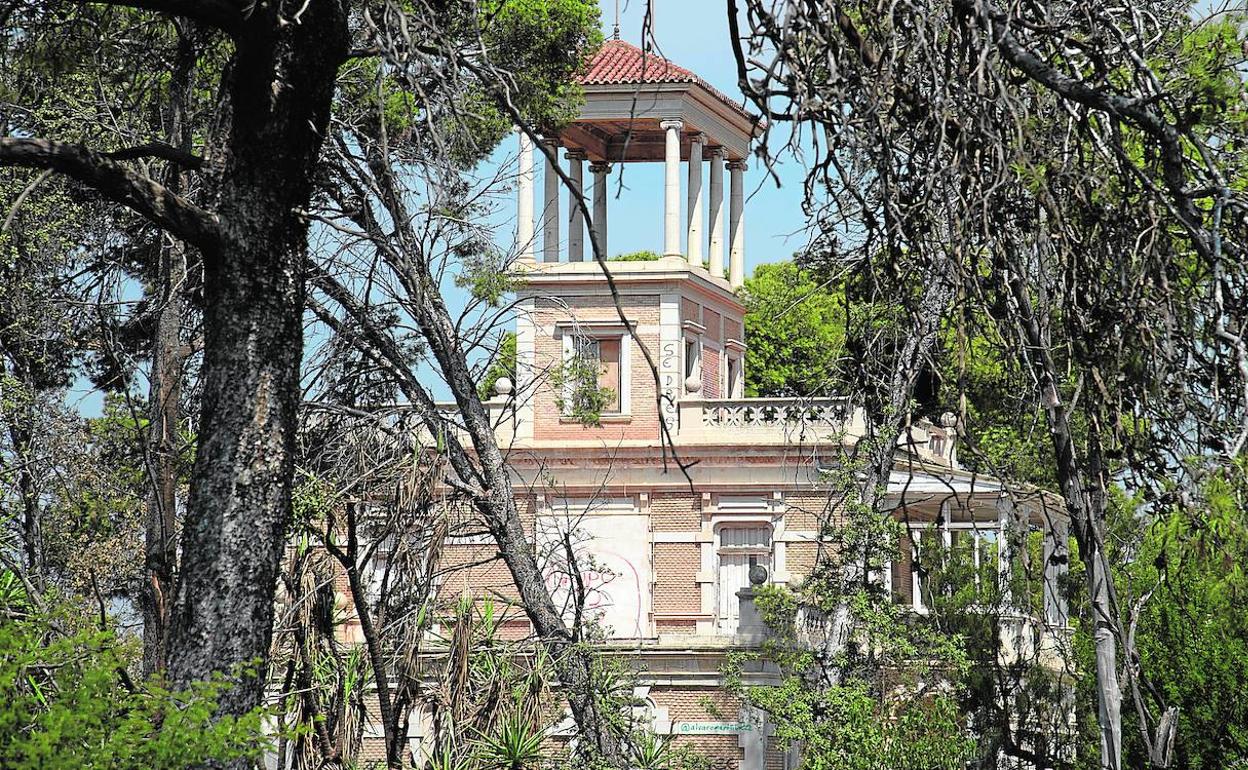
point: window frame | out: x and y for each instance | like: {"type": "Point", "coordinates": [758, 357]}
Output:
{"type": "Point", "coordinates": [692, 364]}
{"type": "Point", "coordinates": [914, 536]}
{"type": "Point", "coordinates": [571, 338]}
{"type": "Point", "coordinates": [749, 551]}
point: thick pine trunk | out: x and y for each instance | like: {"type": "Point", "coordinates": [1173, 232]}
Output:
{"type": "Point", "coordinates": [279, 95]}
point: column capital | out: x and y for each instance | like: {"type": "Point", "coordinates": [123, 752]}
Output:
{"type": "Point", "coordinates": [699, 137]}
{"type": "Point", "coordinates": [736, 165]}
{"type": "Point", "coordinates": [599, 166]}
{"type": "Point", "coordinates": [717, 152]}
{"type": "Point", "coordinates": [575, 153]}
{"type": "Point", "coordinates": [668, 124]}
{"type": "Point", "coordinates": [553, 141]}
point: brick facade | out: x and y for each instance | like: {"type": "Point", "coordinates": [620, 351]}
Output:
{"type": "Point", "coordinates": [675, 582]}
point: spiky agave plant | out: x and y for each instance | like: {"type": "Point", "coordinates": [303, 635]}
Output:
{"type": "Point", "coordinates": [651, 752]}
{"type": "Point", "coordinates": [514, 743]}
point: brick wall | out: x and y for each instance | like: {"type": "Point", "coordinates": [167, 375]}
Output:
{"type": "Point", "coordinates": [690, 310]}
{"type": "Point", "coordinates": [675, 512]}
{"type": "Point", "coordinates": [704, 704]}
{"type": "Point", "coordinates": [643, 423]}
{"type": "Point", "coordinates": [807, 511]}
{"type": "Point", "coordinates": [372, 753]}
{"type": "Point", "coordinates": [711, 320]}
{"type": "Point", "coordinates": [710, 373]}
{"type": "Point", "coordinates": [800, 559]}
{"type": "Point", "coordinates": [675, 572]}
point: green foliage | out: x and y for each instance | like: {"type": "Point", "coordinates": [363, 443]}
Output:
{"type": "Point", "coordinates": [513, 743]}
{"type": "Point", "coordinates": [638, 256]}
{"type": "Point", "coordinates": [537, 45]}
{"type": "Point", "coordinates": [503, 365]}
{"type": "Point", "coordinates": [1004, 433]}
{"type": "Point", "coordinates": [796, 329]}
{"type": "Point", "coordinates": [577, 392]}
{"type": "Point", "coordinates": [1192, 634]}
{"type": "Point", "coordinates": [484, 274]}
{"type": "Point", "coordinates": [652, 752]}
{"type": "Point", "coordinates": [544, 43]}
{"type": "Point", "coordinates": [885, 699]}
{"type": "Point", "coordinates": [65, 703]}
{"type": "Point", "coordinates": [92, 519]}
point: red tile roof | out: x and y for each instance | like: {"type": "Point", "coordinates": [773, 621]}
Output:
{"type": "Point", "coordinates": [621, 63]}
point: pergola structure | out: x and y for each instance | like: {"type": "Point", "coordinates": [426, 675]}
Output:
{"type": "Point", "coordinates": [640, 108]}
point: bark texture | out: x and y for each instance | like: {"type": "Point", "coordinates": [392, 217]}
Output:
{"type": "Point", "coordinates": [160, 544]}
{"type": "Point", "coordinates": [160, 554]}
{"type": "Point", "coordinates": [280, 87]}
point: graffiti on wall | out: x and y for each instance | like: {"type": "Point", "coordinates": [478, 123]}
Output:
{"type": "Point", "coordinates": [612, 571]}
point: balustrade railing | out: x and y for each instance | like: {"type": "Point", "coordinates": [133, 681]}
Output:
{"type": "Point", "coordinates": [754, 419]}
{"type": "Point", "coordinates": [774, 412]}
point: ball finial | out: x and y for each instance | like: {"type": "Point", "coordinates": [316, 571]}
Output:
{"type": "Point", "coordinates": [758, 574]}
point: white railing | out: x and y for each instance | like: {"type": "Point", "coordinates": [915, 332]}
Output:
{"type": "Point", "coordinates": [754, 419]}
{"type": "Point", "coordinates": [774, 412]}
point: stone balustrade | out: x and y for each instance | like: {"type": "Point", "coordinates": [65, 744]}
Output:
{"type": "Point", "coordinates": [768, 420]}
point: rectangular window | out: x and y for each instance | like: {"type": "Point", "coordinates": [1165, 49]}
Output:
{"type": "Point", "coordinates": [734, 377]}
{"type": "Point", "coordinates": [604, 354]}
{"type": "Point", "coordinates": [693, 354]}
{"type": "Point", "coordinates": [959, 552]}
{"type": "Point", "coordinates": [609, 375]}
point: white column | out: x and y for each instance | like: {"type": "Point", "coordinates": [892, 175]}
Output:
{"type": "Point", "coordinates": [524, 202]}
{"type": "Point", "coordinates": [736, 225]}
{"type": "Point", "coordinates": [717, 212]}
{"type": "Point", "coordinates": [550, 209]}
{"type": "Point", "coordinates": [671, 188]}
{"type": "Point", "coordinates": [601, 172]}
{"type": "Point", "coordinates": [694, 241]}
{"type": "Point", "coordinates": [576, 220]}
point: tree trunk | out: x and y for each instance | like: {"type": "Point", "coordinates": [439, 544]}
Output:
{"type": "Point", "coordinates": [20, 433]}
{"type": "Point", "coordinates": [1085, 502]}
{"type": "Point", "coordinates": [160, 553]}
{"type": "Point", "coordinates": [280, 89]}
{"type": "Point", "coordinates": [888, 414]}
{"type": "Point", "coordinates": [574, 662]}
